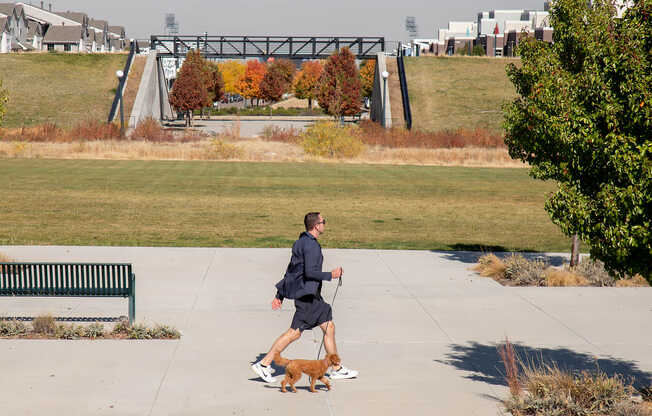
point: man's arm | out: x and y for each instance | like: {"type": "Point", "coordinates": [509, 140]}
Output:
{"type": "Point", "coordinates": [312, 264]}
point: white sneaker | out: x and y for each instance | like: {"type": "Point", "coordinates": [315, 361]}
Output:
{"type": "Point", "coordinates": [343, 373]}
{"type": "Point", "coordinates": [263, 372]}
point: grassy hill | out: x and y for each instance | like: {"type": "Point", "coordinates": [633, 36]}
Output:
{"type": "Point", "coordinates": [60, 88]}
{"type": "Point", "coordinates": [457, 92]}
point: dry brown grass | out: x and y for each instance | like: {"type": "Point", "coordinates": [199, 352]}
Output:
{"type": "Point", "coordinates": [490, 265]}
{"type": "Point", "coordinates": [194, 148]}
{"type": "Point", "coordinates": [510, 361]}
{"type": "Point", "coordinates": [636, 281]}
{"type": "Point", "coordinates": [373, 134]}
{"type": "Point", "coordinates": [556, 278]}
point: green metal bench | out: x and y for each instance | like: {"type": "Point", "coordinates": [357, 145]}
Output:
{"type": "Point", "coordinates": [69, 279]}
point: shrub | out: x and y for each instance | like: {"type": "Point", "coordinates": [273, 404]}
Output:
{"type": "Point", "coordinates": [71, 331]}
{"type": "Point", "coordinates": [138, 331]}
{"type": "Point", "coordinates": [12, 328]}
{"type": "Point", "coordinates": [327, 139]}
{"type": "Point", "coordinates": [92, 130]}
{"type": "Point", "coordinates": [94, 330]}
{"type": "Point", "coordinates": [220, 149]}
{"type": "Point", "coordinates": [636, 281]}
{"type": "Point", "coordinates": [44, 325]}
{"type": "Point", "coordinates": [150, 130]}
{"type": "Point", "coordinates": [280, 134]}
{"type": "Point", "coordinates": [374, 134]}
{"type": "Point", "coordinates": [594, 272]}
{"type": "Point", "coordinates": [121, 327]}
{"type": "Point", "coordinates": [552, 391]}
{"type": "Point", "coordinates": [521, 272]}
{"type": "Point", "coordinates": [164, 332]}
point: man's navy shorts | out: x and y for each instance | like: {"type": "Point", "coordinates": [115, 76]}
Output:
{"type": "Point", "coordinates": [311, 311]}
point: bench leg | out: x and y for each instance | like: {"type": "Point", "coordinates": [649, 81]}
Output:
{"type": "Point", "coordinates": [132, 309]}
{"type": "Point", "coordinates": [132, 299]}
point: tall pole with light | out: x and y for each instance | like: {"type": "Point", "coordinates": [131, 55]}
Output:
{"type": "Point", "coordinates": [385, 75]}
{"type": "Point", "coordinates": [120, 75]}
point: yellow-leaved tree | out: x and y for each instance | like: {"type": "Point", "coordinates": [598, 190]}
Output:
{"type": "Point", "coordinates": [231, 71]}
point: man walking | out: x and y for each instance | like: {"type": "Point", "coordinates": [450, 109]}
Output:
{"type": "Point", "coordinates": [302, 282]}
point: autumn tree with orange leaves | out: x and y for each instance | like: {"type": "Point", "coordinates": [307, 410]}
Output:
{"type": "Point", "coordinates": [248, 84]}
{"type": "Point", "coordinates": [306, 82]}
{"type": "Point", "coordinates": [367, 71]}
{"type": "Point", "coordinates": [339, 92]}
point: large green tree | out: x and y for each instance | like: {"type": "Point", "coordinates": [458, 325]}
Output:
{"type": "Point", "coordinates": [583, 117]}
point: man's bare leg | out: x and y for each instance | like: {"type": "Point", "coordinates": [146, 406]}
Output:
{"type": "Point", "coordinates": [329, 338]}
{"type": "Point", "coordinates": [280, 344]}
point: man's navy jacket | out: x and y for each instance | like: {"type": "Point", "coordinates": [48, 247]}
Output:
{"type": "Point", "coordinates": [303, 275]}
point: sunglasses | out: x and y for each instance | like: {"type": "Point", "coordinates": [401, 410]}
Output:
{"type": "Point", "coordinates": [322, 221]}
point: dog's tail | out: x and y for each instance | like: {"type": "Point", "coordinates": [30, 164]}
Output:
{"type": "Point", "coordinates": [283, 362]}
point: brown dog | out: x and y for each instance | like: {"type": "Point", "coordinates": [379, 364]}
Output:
{"type": "Point", "coordinates": [315, 369]}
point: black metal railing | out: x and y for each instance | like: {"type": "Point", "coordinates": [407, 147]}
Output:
{"type": "Point", "coordinates": [405, 97]}
{"type": "Point", "coordinates": [290, 47]}
{"type": "Point", "coordinates": [133, 50]}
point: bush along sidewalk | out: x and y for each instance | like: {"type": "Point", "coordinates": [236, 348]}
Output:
{"type": "Point", "coordinates": [538, 388]}
{"type": "Point", "coordinates": [46, 327]}
{"type": "Point", "coordinates": [516, 270]}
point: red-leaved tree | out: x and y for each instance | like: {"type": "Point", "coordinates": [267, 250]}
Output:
{"type": "Point", "coordinates": [339, 93]}
{"type": "Point", "coordinates": [189, 91]}
{"type": "Point", "coordinates": [277, 80]}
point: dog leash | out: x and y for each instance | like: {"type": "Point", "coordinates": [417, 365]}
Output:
{"type": "Point", "coordinates": [332, 303]}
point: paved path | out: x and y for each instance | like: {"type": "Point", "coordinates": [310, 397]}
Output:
{"type": "Point", "coordinates": [419, 326]}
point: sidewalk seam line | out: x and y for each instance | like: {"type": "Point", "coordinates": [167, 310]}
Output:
{"type": "Point", "coordinates": [559, 322]}
{"type": "Point", "coordinates": [176, 348]}
{"type": "Point", "coordinates": [415, 299]}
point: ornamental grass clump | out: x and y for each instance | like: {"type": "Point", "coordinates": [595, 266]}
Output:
{"type": "Point", "coordinates": [44, 325]}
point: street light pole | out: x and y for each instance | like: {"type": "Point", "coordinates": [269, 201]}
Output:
{"type": "Point", "coordinates": [385, 75]}
{"type": "Point", "coordinates": [121, 74]}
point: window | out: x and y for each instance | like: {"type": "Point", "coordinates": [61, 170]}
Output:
{"type": "Point", "coordinates": [66, 47]}
{"type": "Point", "coordinates": [50, 47]}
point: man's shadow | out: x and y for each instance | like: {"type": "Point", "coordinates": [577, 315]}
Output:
{"type": "Point", "coordinates": [483, 363]}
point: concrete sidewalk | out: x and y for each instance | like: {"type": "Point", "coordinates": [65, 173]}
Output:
{"type": "Point", "coordinates": [419, 326]}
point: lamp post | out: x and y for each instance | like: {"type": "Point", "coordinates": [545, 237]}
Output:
{"type": "Point", "coordinates": [121, 74]}
{"type": "Point", "coordinates": [385, 75]}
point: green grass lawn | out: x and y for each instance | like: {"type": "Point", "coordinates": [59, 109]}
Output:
{"type": "Point", "coordinates": [61, 88]}
{"type": "Point", "coordinates": [163, 203]}
{"type": "Point", "coordinates": [448, 93]}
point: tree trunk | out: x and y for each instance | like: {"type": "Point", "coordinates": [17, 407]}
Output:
{"type": "Point", "coordinates": [309, 103]}
{"type": "Point", "coordinates": [575, 251]}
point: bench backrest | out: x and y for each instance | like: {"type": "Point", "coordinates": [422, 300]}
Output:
{"type": "Point", "coordinates": [66, 279]}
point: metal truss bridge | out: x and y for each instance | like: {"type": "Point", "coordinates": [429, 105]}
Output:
{"type": "Point", "coordinates": [289, 47]}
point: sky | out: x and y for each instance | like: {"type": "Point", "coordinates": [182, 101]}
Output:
{"type": "Point", "coordinates": [142, 18]}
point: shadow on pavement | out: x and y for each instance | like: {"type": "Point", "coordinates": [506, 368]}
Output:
{"type": "Point", "coordinates": [276, 369]}
{"type": "Point", "coordinates": [470, 253]}
{"type": "Point", "coordinates": [483, 362]}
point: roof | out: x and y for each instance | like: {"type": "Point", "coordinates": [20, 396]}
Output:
{"type": "Point", "coordinates": [44, 16]}
{"type": "Point", "coordinates": [100, 24]}
{"type": "Point", "coordinates": [33, 28]}
{"type": "Point", "coordinates": [7, 8]}
{"type": "Point", "coordinates": [63, 34]}
{"type": "Point", "coordinates": [78, 17]}
{"type": "Point", "coordinates": [118, 30]}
